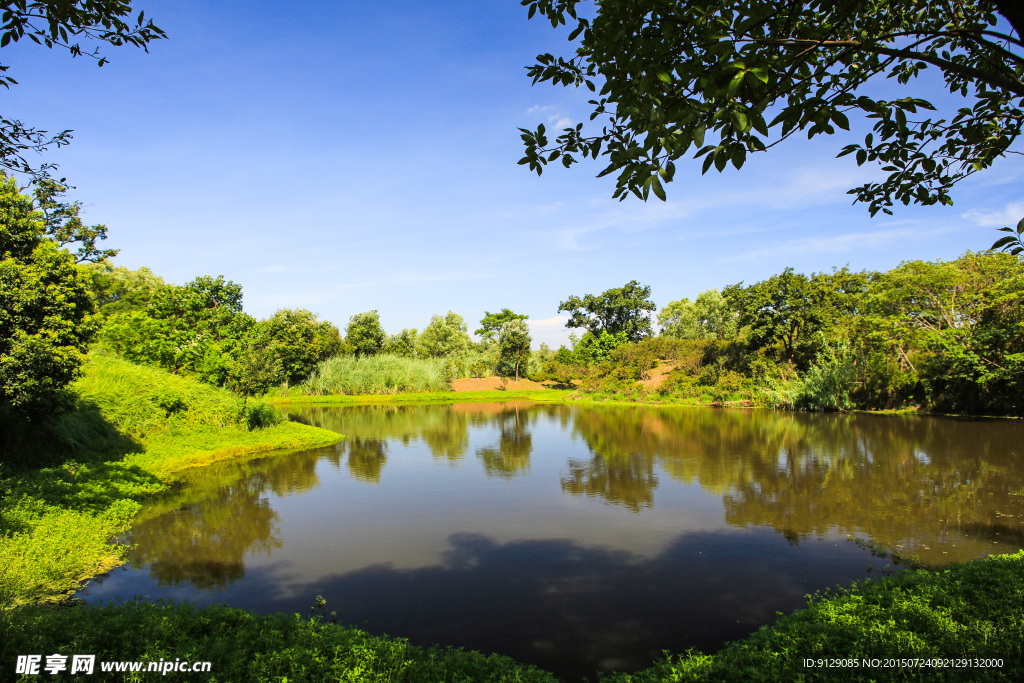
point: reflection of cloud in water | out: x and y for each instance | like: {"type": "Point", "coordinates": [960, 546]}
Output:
{"type": "Point", "coordinates": [573, 608]}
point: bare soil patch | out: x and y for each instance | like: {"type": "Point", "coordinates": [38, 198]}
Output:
{"type": "Point", "coordinates": [492, 383]}
{"type": "Point", "coordinates": [657, 375]}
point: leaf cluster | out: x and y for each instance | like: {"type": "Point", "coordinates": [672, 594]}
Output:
{"type": "Point", "coordinates": [729, 78]}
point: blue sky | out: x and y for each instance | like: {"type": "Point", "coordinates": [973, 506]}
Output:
{"type": "Point", "coordinates": [350, 156]}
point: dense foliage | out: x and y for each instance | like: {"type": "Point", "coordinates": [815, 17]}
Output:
{"type": "Point", "coordinates": [46, 319]}
{"type": "Point", "coordinates": [620, 310]}
{"type": "Point", "coordinates": [733, 77]}
{"type": "Point", "coordinates": [938, 336]}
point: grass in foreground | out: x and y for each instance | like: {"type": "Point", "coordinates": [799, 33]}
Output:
{"type": "Point", "coordinates": [70, 485]}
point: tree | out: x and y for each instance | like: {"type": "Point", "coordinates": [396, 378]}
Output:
{"type": "Point", "coordinates": [46, 314]}
{"type": "Point", "coordinates": [786, 311]}
{"type": "Point", "coordinates": [491, 324]}
{"type": "Point", "coordinates": [444, 336]}
{"type": "Point", "coordinates": [117, 289]}
{"type": "Point", "coordinates": [196, 329]}
{"type": "Point", "coordinates": [622, 309]}
{"type": "Point", "coordinates": [957, 325]}
{"type": "Point", "coordinates": [301, 341]}
{"type": "Point", "coordinates": [364, 335]}
{"type": "Point", "coordinates": [402, 344]}
{"type": "Point", "coordinates": [64, 225]}
{"type": "Point", "coordinates": [708, 75]}
{"type": "Point", "coordinates": [63, 24]}
{"type": "Point", "coordinates": [709, 317]}
{"type": "Point", "coordinates": [513, 347]}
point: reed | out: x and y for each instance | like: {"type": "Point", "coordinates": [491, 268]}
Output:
{"type": "Point", "coordinates": [381, 374]}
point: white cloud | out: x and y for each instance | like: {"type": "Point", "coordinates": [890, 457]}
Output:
{"type": "Point", "coordinates": [554, 115]}
{"type": "Point", "coordinates": [848, 242]}
{"type": "Point", "coordinates": [1008, 216]}
{"type": "Point", "coordinates": [551, 331]}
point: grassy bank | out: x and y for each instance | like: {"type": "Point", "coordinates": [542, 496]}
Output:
{"type": "Point", "coordinates": [972, 611]}
{"type": "Point", "coordinates": [71, 484]}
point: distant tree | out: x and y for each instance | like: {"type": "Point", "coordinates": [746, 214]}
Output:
{"type": "Point", "coordinates": [491, 324]}
{"type": "Point", "coordinates": [709, 317]}
{"type": "Point", "coordinates": [300, 339]}
{"type": "Point", "coordinates": [62, 24]}
{"type": "Point", "coordinates": [957, 325]}
{"type": "Point", "coordinates": [619, 310]}
{"type": "Point", "coordinates": [786, 311]}
{"type": "Point", "coordinates": [444, 336]}
{"type": "Point", "coordinates": [118, 289]}
{"type": "Point", "coordinates": [402, 344]}
{"type": "Point", "coordinates": [364, 334]}
{"type": "Point", "coordinates": [513, 347]}
{"type": "Point", "coordinates": [46, 314]}
{"type": "Point", "coordinates": [257, 365]}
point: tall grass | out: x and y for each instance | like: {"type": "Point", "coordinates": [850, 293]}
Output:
{"type": "Point", "coordinates": [381, 374]}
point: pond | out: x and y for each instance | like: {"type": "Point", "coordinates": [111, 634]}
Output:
{"type": "Point", "coordinates": [580, 539]}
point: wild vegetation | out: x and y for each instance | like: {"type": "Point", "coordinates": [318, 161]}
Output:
{"type": "Point", "coordinates": [943, 337]}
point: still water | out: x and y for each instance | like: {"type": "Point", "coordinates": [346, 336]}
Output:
{"type": "Point", "coordinates": [580, 539]}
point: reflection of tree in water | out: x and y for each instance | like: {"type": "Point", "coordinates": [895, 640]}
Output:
{"type": "Point", "coordinates": [619, 472]}
{"type": "Point", "coordinates": [511, 458]}
{"type": "Point", "coordinates": [442, 429]}
{"type": "Point", "coordinates": [943, 489]}
{"type": "Point", "coordinates": [201, 534]}
{"type": "Point", "coordinates": [204, 542]}
{"type": "Point", "coordinates": [366, 458]}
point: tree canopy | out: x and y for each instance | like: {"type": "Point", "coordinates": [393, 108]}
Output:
{"type": "Point", "coordinates": [491, 323]}
{"type": "Point", "coordinates": [445, 336]}
{"type": "Point", "coordinates": [727, 78]}
{"type": "Point", "coordinates": [78, 26]}
{"type": "Point", "coordinates": [709, 317]}
{"type": "Point", "coordinates": [364, 335]}
{"type": "Point", "coordinates": [46, 314]}
{"type": "Point", "coordinates": [617, 310]}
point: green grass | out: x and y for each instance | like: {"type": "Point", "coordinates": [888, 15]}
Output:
{"type": "Point", "coordinates": [241, 646]}
{"type": "Point", "coordinates": [70, 485]}
{"type": "Point", "coordinates": [381, 374]}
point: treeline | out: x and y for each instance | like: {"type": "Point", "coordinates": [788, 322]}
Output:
{"type": "Point", "coordinates": [938, 336]}
{"type": "Point", "coordinates": [200, 329]}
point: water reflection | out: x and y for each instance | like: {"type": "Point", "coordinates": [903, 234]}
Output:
{"type": "Point", "coordinates": [511, 456]}
{"type": "Point", "coordinates": [943, 489]}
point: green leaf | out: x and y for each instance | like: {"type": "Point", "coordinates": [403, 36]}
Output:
{"type": "Point", "coordinates": [659, 191]}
